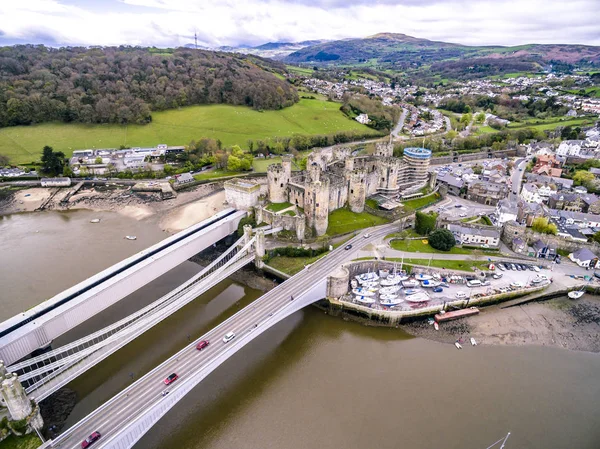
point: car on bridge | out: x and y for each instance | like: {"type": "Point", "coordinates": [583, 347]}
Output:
{"type": "Point", "coordinates": [95, 436]}
{"type": "Point", "coordinates": [171, 378]}
{"type": "Point", "coordinates": [228, 337]}
{"type": "Point", "coordinates": [202, 344]}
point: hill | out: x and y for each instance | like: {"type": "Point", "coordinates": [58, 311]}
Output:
{"type": "Point", "coordinates": [126, 84]}
{"type": "Point", "coordinates": [401, 51]}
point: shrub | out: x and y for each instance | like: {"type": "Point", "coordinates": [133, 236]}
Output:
{"type": "Point", "coordinates": [425, 223]}
{"type": "Point", "coordinates": [442, 239]}
{"type": "Point", "coordinates": [244, 221]}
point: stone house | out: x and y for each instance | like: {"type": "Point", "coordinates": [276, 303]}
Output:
{"type": "Point", "coordinates": [505, 212]}
{"type": "Point", "coordinates": [566, 201]}
{"type": "Point", "coordinates": [452, 183]}
{"type": "Point", "coordinates": [518, 245]}
{"type": "Point", "coordinates": [591, 204]}
{"type": "Point", "coordinates": [487, 193]}
{"type": "Point", "coordinates": [527, 212]}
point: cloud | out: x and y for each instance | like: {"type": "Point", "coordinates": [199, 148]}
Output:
{"type": "Point", "coordinates": [235, 22]}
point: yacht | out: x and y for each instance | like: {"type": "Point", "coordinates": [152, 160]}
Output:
{"type": "Point", "coordinates": [390, 300]}
{"type": "Point", "coordinates": [363, 292]}
{"type": "Point", "coordinates": [410, 283]}
{"type": "Point", "coordinates": [430, 284]}
{"type": "Point", "coordinates": [418, 297]}
{"type": "Point", "coordinates": [364, 300]}
{"type": "Point", "coordinates": [389, 290]}
{"type": "Point", "coordinates": [423, 277]}
{"type": "Point", "coordinates": [131, 237]}
{"type": "Point", "coordinates": [575, 294]}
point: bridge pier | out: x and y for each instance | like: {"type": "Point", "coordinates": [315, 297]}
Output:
{"type": "Point", "coordinates": [16, 400]}
{"type": "Point", "coordinates": [259, 248]}
{"type": "Point", "coordinates": [247, 233]}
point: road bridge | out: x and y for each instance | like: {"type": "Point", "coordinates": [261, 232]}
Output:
{"type": "Point", "coordinates": [36, 328]}
{"type": "Point", "coordinates": [125, 418]}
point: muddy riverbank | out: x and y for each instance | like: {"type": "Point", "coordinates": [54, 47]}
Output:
{"type": "Point", "coordinates": [558, 322]}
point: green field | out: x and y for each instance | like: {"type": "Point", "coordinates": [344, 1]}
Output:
{"type": "Point", "coordinates": [417, 246]}
{"type": "Point", "coordinates": [342, 221]}
{"type": "Point", "coordinates": [276, 207]}
{"type": "Point", "coordinates": [25, 442]}
{"type": "Point", "coordinates": [233, 125]}
{"type": "Point", "coordinates": [551, 123]}
{"type": "Point", "coordinates": [420, 203]}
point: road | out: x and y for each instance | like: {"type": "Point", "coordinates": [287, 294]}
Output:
{"type": "Point", "coordinates": [400, 123]}
{"type": "Point", "coordinates": [133, 401]}
{"type": "Point", "coordinates": [516, 179]}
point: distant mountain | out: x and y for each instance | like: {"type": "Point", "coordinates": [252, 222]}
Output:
{"type": "Point", "coordinates": [401, 50]}
{"type": "Point", "coordinates": [274, 50]}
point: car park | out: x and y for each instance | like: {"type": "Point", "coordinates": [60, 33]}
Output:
{"type": "Point", "coordinates": [228, 337]}
{"type": "Point", "coordinates": [95, 436]}
{"type": "Point", "coordinates": [171, 378]}
{"type": "Point", "coordinates": [202, 344]}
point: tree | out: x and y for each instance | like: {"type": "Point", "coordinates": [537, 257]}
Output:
{"type": "Point", "coordinates": [480, 118]}
{"type": "Point", "coordinates": [442, 239]}
{"type": "Point", "coordinates": [583, 178]}
{"type": "Point", "coordinates": [4, 160]}
{"type": "Point", "coordinates": [98, 160]}
{"type": "Point", "coordinates": [596, 237]}
{"type": "Point", "coordinates": [52, 161]}
{"type": "Point", "coordinates": [543, 226]}
{"type": "Point", "coordinates": [425, 223]}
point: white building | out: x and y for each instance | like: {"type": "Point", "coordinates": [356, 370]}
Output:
{"type": "Point", "coordinates": [530, 193]}
{"type": "Point", "coordinates": [584, 258]}
{"type": "Point", "coordinates": [505, 212]}
{"type": "Point", "coordinates": [545, 191]}
{"type": "Point", "coordinates": [569, 148]}
{"type": "Point", "coordinates": [466, 235]}
{"type": "Point", "coordinates": [363, 118]}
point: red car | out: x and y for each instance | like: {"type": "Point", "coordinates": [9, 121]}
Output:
{"type": "Point", "coordinates": [171, 378]}
{"type": "Point", "coordinates": [90, 440]}
{"type": "Point", "coordinates": [202, 344]}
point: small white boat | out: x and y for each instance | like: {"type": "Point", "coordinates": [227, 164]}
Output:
{"type": "Point", "coordinates": [364, 299]}
{"type": "Point", "coordinates": [458, 345]}
{"type": "Point", "coordinates": [575, 294]}
{"type": "Point", "coordinates": [418, 297]}
{"type": "Point", "coordinates": [394, 279]}
{"type": "Point", "coordinates": [95, 220]}
{"type": "Point", "coordinates": [436, 326]}
{"type": "Point", "coordinates": [363, 292]}
{"type": "Point", "coordinates": [370, 284]}
{"type": "Point", "coordinates": [389, 290]}
{"type": "Point", "coordinates": [391, 301]}
{"type": "Point", "coordinates": [423, 277]}
{"type": "Point", "coordinates": [411, 291]}
{"type": "Point", "coordinates": [410, 283]}
{"type": "Point", "coordinates": [367, 277]}
{"type": "Point", "coordinates": [537, 280]}
{"type": "Point", "coordinates": [131, 237]}
{"type": "Point", "coordinates": [354, 283]}
{"type": "Point", "coordinates": [384, 273]}
{"type": "Point", "coordinates": [430, 284]}
{"type": "Point", "coordinates": [473, 342]}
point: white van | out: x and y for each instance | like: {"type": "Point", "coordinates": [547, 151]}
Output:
{"type": "Point", "coordinates": [474, 283]}
{"type": "Point", "coordinates": [228, 337]}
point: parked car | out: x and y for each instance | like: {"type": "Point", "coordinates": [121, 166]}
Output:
{"type": "Point", "coordinates": [228, 337]}
{"type": "Point", "coordinates": [536, 269]}
{"type": "Point", "coordinates": [513, 267]}
{"type": "Point", "coordinates": [518, 267]}
{"type": "Point", "coordinates": [485, 283]}
{"type": "Point", "coordinates": [517, 285]}
{"type": "Point", "coordinates": [202, 344]}
{"type": "Point", "coordinates": [347, 247]}
{"type": "Point", "coordinates": [171, 378]}
{"type": "Point", "coordinates": [95, 436]}
{"type": "Point", "coordinates": [497, 275]}
{"type": "Point", "coordinates": [460, 295]}
{"type": "Point", "coordinates": [474, 283]}
{"type": "Point", "coordinates": [438, 290]}
{"type": "Point", "coordinates": [462, 215]}
{"type": "Point", "coordinates": [501, 266]}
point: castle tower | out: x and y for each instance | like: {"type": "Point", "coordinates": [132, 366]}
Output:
{"type": "Point", "coordinates": [417, 160]}
{"type": "Point", "coordinates": [316, 205]}
{"type": "Point", "coordinates": [383, 149]}
{"type": "Point", "coordinates": [388, 169]}
{"type": "Point", "coordinates": [349, 164]}
{"type": "Point", "coordinates": [286, 163]}
{"type": "Point", "coordinates": [17, 402]}
{"type": "Point", "coordinates": [314, 172]}
{"type": "Point", "coordinates": [278, 177]}
{"type": "Point", "coordinates": [357, 191]}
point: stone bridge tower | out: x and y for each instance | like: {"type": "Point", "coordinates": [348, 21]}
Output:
{"type": "Point", "coordinates": [316, 205]}
{"type": "Point", "coordinates": [357, 191]}
{"type": "Point", "coordinates": [278, 176]}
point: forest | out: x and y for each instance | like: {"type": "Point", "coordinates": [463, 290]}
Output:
{"type": "Point", "coordinates": [125, 84]}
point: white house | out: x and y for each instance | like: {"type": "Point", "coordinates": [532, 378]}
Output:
{"type": "Point", "coordinates": [505, 211]}
{"type": "Point", "coordinates": [545, 191]}
{"type": "Point", "coordinates": [584, 258]}
{"type": "Point", "coordinates": [466, 235]}
{"type": "Point", "coordinates": [362, 118]}
{"type": "Point", "coordinates": [569, 148]}
{"type": "Point", "coordinates": [530, 193]}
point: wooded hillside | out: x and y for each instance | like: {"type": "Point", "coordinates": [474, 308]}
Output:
{"type": "Point", "coordinates": [125, 84]}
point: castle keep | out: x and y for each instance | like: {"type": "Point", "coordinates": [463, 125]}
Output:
{"type": "Point", "coordinates": [334, 178]}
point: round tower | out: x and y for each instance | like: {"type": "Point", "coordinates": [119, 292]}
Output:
{"type": "Point", "coordinates": [357, 191]}
{"type": "Point", "coordinates": [417, 160]}
{"type": "Point", "coordinates": [316, 205]}
{"type": "Point", "coordinates": [286, 163]}
{"type": "Point", "coordinates": [278, 180]}
{"type": "Point", "coordinates": [388, 175]}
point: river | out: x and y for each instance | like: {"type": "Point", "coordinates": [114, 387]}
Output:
{"type": "Point", "coordinates": [312, 380]}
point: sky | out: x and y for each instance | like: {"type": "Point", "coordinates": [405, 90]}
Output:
{"type": "Point", "coordinates": [172, 23]}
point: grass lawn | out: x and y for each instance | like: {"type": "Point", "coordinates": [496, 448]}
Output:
{"type": "Point", "coordinates": [420, 203]}
{"type": "Point", "coordinates": [231, 124]}
{"type": "Point", "coordinates": [372, 203]}
{"type": "Point", "coordinates": [24, 442]}
{"type": "Point", "coordinates": [291, 265]}
{"type": "Point", "coordinates": [276, 207]}
{"type": "Point", "coordinates": [417, 246]}
{"type": "Point", "coordinates": [550, 124]}
{"type": "Point", "coordinates": [342, 221]}
{"type": "Point", "coordinates": [215, 174]}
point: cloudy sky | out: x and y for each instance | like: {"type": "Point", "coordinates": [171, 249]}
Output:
{"type": "Point", "coordinates": [235, 22]}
